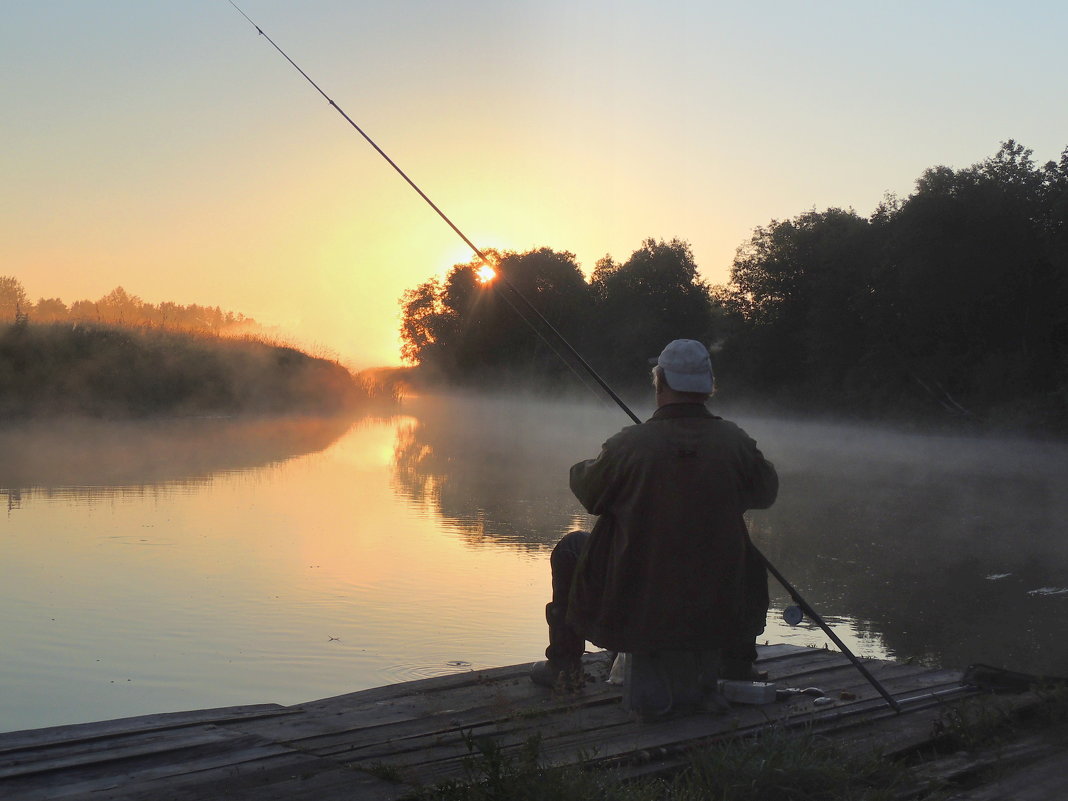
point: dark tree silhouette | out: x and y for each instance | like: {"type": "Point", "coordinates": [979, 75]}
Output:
{"type": "Point", "coordinates": [657, 295]}
{"type": "Point", "coordinates": [464, 329]}
{"type": "Point", "coordinates": [954, 298]}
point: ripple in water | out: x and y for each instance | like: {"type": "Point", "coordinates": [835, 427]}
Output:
{"type": "Point", "coordinates": [413, 672]}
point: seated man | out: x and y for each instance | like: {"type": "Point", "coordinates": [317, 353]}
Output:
{"type": "Point", "coordinates": [668, 565]}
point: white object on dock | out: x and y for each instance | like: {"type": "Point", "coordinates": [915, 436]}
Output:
{"type": "Point", "coordinates": [748, 692]}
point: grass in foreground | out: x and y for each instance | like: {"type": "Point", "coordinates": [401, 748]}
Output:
{"type": "Point", "coordinates": [779, 766]}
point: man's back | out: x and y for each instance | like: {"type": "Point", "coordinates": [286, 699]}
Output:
{"type": "Point", "coordinates": [665, 565]}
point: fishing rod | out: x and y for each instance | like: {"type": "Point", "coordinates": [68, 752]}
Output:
{"type": "Point", "coordinates": [482, 256]}
{"type": "Point", "coordinates": [806, 608]}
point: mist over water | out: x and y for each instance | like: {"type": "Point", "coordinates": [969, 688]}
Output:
{"type": "Point", "coordinates": [943, 548]}
{"type": "Point", "coordinates": [157, 567]}
{"type": "Point", "coordinates": [951, 549]}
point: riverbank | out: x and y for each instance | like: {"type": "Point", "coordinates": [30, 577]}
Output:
{"type": "Point", "coordinates": [433, 738]}
{"type": "Point", "coordinates": [113, 372]}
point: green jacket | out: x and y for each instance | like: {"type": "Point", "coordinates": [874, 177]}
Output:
{"type": "Point", "coordinates": [664, 567]}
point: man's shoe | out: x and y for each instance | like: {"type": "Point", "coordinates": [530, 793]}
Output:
{"type": "Point", "coordinates": [548, 674]}
{"type": "Point", "coordinates": [544, 675]}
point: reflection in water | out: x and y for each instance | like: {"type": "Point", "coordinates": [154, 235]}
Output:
{"type": "Point", "coordinates": [93, 458]}
{"type": "Point", "coordinates": [497, 469]}
{"type": "Point", "coordinates": [945, 549]}
{"type": "Point", "coordinates": [293, 579]}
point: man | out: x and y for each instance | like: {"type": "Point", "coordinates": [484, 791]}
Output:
{"type": "Point", "coordinates": [668, 565]}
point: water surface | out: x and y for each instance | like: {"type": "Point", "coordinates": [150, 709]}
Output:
{"type": "Point", "coordinates": [159, 567]}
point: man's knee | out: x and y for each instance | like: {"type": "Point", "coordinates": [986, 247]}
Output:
{"type": "Point", "coordinates": [568, 549]}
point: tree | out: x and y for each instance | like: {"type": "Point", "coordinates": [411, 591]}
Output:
{"type": "Point", "coordinates": [552, 283]}
{"type": "Point", "coordinates": [656, 296]}
{"type": "Point", "coordinates": [464, 327]}
{"type": "Point", "coordinates": [121, 308]}
{"type": "Point", "coordinates": [49, 310]}
{"type": "Point", "coordinates": [800, 293]}
{"type": "Point", "coordinates": [971, 286]}
{"type": "Point", "coordinates": [421, 312]}
{"type": "Point", "coordinates": [13, 302]}
{"type": "Point", "coordinates": [956, 295]}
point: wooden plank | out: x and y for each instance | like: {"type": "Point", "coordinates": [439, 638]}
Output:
{"type": "Point", "coordinates": [870, 730]}
{"type": "Point", "coordinates": [1042, 780]}
{"type": "Point", "coordinates": [419, 740]}
{"type": "Point", "coordinates": [351, 731]}
{"type": "Point", "coordinates": [625, 739]}
{"type": "Point", "coordinates": [308, 782]}
{"type": "Point", "coordinates": [605, 711]}
{"type": "Point", "coordinates": [562, 739]}
{"type": "Point", "coordinates": [894, 677]}
{"type": "Point", "coordinates": [323, 749]}
{"type": "Point", "coordinates": [436, 684]}
{"type": "Point", "coordinates": [110, 749]}
{"type": "Point", "coordinates": [290, 775]}
{"type": "Point", "coordinates": [110, 774]}
{"type": "Point", "coordinates": [78, 732]}
{"type": "Point", "coordinates": [421, 699]}
{"type": "Point", "coordinates": [526, 702]}
{"type": "Point", "coordinates": [777, 650]}
{"type": "Point", "coordinates": [449, 743]}
{"type": "Point", "coordinates": [510, 693]}
{"type": "Point", "coordinates": [425, 738]}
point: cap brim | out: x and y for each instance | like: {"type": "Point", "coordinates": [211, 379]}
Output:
{"type": "Point", "coordinates": [689, 382]}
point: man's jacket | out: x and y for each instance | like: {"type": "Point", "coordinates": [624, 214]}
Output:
{"type": "Point", "coordinates": [665, 565]}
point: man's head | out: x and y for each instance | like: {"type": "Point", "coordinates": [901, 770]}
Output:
{"type": "Point", "coordinates": [685, 370]}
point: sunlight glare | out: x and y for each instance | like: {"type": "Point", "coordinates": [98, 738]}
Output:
{"type": "Point", "coordinates": [485, 274]}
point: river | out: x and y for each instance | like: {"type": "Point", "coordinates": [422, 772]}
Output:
{"type": "Point", "coordinates": [153, 567]}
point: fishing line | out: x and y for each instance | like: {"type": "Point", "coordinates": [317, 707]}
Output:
{"type": "Point", "coordinates": [568, 347]}
{"type": "Point", "coordinates": [482, 256]}
{"type": "Point", "coordinates": [548, 343]}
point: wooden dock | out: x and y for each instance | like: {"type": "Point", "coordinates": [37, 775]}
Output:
{"type": "Point", "coordinates": [385, 743]}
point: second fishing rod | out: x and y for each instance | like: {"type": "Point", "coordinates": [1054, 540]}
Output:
{"type": "Point", "coordinates": [549, 334]}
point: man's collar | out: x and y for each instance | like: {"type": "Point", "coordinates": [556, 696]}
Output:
{"type": "Point", "coordinates": [671, 411]}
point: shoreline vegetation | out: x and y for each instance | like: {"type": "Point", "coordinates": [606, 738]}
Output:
{"type": "Point", "coordinates": [110, 371]}
{"type": "Point", "coordinates": [945, 308]}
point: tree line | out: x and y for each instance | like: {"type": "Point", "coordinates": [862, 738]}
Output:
{"type": "Point", "coordinates": [953, 299]}
{"type": "Point", "coordinates": [122, 357]}
{"type": "Point", "coordinates": [118, 307]}
{"type": "Point", "coordinates": [97, 370]}
{"type": "Point", "coordinates": [467, 332]}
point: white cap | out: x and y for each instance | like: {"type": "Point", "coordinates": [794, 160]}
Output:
{"type": "Point", "coordinates": [687, 366]}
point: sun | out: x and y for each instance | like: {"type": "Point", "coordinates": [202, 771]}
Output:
{"type": "Point", "coordinates": [485, 274]}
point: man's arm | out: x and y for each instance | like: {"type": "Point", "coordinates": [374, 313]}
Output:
{"type": "Point", "coordinates": [593, 480]}
{"type": "Point", "coordinates": [761, 482]}
{"type": "Point", "coordinates": [764, 486]}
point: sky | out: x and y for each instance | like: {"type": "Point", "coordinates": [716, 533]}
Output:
{"type": "Point", "coordinates": [167, 148]}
